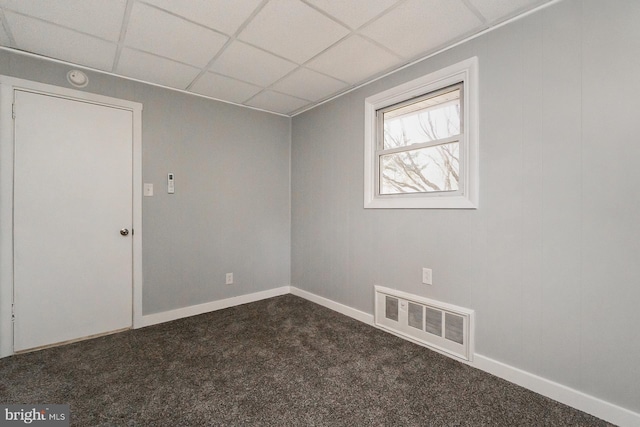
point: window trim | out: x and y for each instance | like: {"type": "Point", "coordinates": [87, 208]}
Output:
{"type": "Point", "coordinates": [465, 72]}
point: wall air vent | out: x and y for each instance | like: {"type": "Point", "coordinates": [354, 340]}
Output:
{"type": "Point", "coordinates": [441, 326]}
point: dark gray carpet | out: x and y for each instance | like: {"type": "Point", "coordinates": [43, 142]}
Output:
{"type": "Point", "coordinates": [279, 362]}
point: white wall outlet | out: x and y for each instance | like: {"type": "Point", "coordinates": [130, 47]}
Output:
{"type": "Point", "coordinates": [229, 279]}
{"type": "Point", "coordinates": [148, 189]}
{"type": "Point", "coordinates": [427, 278]}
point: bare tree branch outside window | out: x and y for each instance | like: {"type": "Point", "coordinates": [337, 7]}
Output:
{"type": "Point", "coordinates": [428, 168]}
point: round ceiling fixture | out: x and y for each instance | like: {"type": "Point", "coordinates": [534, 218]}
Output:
{"type": "Point", "coordinates": [77, 78]}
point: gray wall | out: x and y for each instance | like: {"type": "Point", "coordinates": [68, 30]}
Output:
{"type": "Point", "coordinates": [231, 210]}
{"type": "Point", "coordinates": [550, 261]}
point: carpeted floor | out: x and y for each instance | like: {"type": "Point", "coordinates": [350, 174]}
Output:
{"type": "Point", "coordinates": [278, 362]}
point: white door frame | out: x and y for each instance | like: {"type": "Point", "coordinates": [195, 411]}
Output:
{"type": "Point", "coordinates": [7, 87]}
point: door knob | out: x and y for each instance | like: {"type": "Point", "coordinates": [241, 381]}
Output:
{"type": "Point", "coordinates": [124, 232]}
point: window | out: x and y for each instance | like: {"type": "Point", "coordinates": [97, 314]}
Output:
{"type": "Point", "coordinates": [421, 144]}
{"type": "Point", "coordinates": [418, 144]}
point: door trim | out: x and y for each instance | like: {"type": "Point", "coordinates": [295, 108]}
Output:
{"type": "Point", "coordinates": [7, 87]}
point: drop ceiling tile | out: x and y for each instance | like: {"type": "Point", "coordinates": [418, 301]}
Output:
{"type": "Point", "coordinates": [495, 10]}
{"type": "Point", "coordinates": [277, 102]}
{"type": "Point", "coordinates": [354, 13]}
{"type": "Point", "coordinates": [158, 32]}
{"type": "Point", "coordinates": [223, 15]}
{"type": "Point", "coordinates": [151, 68]}
{"type": "Point", "coordinates": [222, 87]}
{"type": "Point", "coordinates": [426, 25]}
{"type": "Point", "coordinates": [292, 30]}
{"type": "Point", "coordinates": [354, 60]}
{"type": "Point", "coordinates": [308, 84]}
{"type": "Point", "coordinates": [50, 40]}
{"type": "Point", "coordinates": [244, 62]}
{"type": "Point", "coordinates": [97, 17]}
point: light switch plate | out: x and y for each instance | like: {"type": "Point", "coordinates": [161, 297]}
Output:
{"type": "Point", "coordinates": [148, 190]}
{"type": "Point", "coordinates": [171, 186]}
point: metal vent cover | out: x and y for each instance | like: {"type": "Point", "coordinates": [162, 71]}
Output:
{"type": "Point", "coordinates": [441, 326]}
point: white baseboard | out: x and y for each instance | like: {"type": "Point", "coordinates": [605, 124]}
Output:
{"type": "Point", "coordinates": [194, 310]}
{"type": "Point", "coordinates": [335, 306]}
{"type": "Point", "coordinates": [561, 393]}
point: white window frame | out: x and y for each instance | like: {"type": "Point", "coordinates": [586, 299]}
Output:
{"type": "Point", "coordinates": [465, 72]}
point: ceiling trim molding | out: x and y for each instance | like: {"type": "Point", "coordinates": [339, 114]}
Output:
{"type": "Point", "coordinates": [429, 55]}
{"type": "Point", "coordinates": [108, 73]}
{"type": "Point", "coordinates": [304, 108]}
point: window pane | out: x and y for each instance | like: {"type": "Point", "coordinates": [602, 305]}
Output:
{"type": "Point", "coordinates": [425, 120]}
{"type": "Point", "coordinates": [420, 171]}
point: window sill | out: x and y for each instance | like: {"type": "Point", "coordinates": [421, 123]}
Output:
{"type": "Point", "coordinates": [431, 202]}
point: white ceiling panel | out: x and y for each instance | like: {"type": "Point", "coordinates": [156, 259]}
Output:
{"type": "Point", "coordinates": [308, 84]}
{"type": "Point", "coordinates": [292, 30]}
{"type": "Point", "coordinates": [50, 40]}
{"type": "Point", "coordinates": [277, 102]}
{"type": "Point", "coordinates": [222, 87]}
{"type": "Point", "coordinates": [426, 25]}
{"type": "Point", "coordinates": [278, 55]}
{"type": "Point", "coordinates": [354, 13]}
{"type": "Point", "coordinates": [251, 65]}
{"type": "Point", "coordinates": [494, 10]}
{"type": "Point", "coordinates": [222, 15]}
{"type": "Point", "coordinates": [364, 59]}
{"type": "Point", "coordinates": [151, 68]}
{"type": "Point", "coordinates": [158, 32]}
{"type": "Point", "coordinates": [97, 17]}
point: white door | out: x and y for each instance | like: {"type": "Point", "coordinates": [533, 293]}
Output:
{"type": "Point", "coordinates": [72, 198]}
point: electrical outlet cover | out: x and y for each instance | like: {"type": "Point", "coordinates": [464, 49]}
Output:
{"type": "Point", "coordinates": [427, 278]}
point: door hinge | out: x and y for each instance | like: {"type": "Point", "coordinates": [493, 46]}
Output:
{"type": "Point", "coordinates": [13, 110]}
{"type": "Point", "coordinates": [13, 312]}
